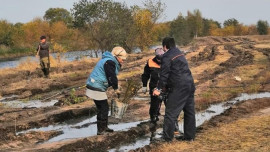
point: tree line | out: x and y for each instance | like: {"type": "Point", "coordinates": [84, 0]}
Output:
{"type": "Point", "coordinates": [103, 24]}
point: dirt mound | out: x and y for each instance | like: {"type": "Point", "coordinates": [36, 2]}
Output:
{"type": "Point", "coordinates": [239, 57]}
{"type": "Point", "coordinates": [208, 54]}
{"type": "Point", "coordinates": [214, 40]}
{"type": "Point", "coordinates": [265, 51]}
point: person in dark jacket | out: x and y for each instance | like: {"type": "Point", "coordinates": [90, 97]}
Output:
{"type": "Point", "coordinates": [176, 77]}
{"type": "Point", "coordinates": [151, 71]}
{"type": "Point", "coordinates": [43, 53]}
{"type": "Point", "coordinates": [103, 76]}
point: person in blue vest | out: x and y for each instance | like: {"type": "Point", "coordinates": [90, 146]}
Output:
{"type": "Point", "coordinates": [103, 76]}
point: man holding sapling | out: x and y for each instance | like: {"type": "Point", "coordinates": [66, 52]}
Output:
{"type": "Point", "coordinates": [151, 71]}
{"type": "Point", "coordinates": [103, 76]}
{"type": "Point", "coordinates": [176, 77]}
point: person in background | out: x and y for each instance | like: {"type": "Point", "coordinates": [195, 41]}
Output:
{"type": "Point", "coordinates": [151, 71]}
{"type": "Point", "coordinates": [101, 78]}
{"type": "Point", "coordinates": [43, 53]}
{"type": "Point", "coordinates": [176, 76]}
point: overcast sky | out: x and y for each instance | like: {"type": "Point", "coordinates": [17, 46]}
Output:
{"type": "Point", "coordinates": [245, 11]}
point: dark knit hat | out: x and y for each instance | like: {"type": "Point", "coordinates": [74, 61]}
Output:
{"type": "Point", "coordinates": [42, 37]}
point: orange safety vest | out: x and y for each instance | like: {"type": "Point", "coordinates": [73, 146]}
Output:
{"type": "Point", "coordinates": [153, 64]}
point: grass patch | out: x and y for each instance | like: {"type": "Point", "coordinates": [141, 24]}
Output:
{"type": "Point", "coordinates": [73, 98]}
{"type": "Point", "coordinates": [253, 88]}
{"type": "Point", "coordinates": [29, 64]}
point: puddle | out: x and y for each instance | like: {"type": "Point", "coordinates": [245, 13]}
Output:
{"type": "Point", "coordinates": [91, 130]}
{"type": "Point", "coordinates": [80, 128]}
{"type": "Point", "coordinates": [27, 104]}
{"type": "Point", "coordinates": [201, 117]}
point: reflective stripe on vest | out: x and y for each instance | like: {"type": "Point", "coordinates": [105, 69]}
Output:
{"type": "Point", "coordinates": [153, 64]}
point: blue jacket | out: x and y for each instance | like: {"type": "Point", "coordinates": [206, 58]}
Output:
{"type": "Point", "coordinates": [97, 78]}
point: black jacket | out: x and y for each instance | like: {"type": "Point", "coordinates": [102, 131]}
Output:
{"type": "Point", "coordinates": [44, 49]}
{"type": "Point", "coordinates": [151, 71]}
{"type": "Point", "coordinates": [109, 68]}
{"type": "Point", "coordinates": [175, 72]}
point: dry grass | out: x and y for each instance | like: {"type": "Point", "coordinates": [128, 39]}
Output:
{"type": "Point", "coordinates": [251, 134]}
{"type": "Point", "coordinates": [264, 45]}
{"type": "Point", "coordinates": [260, 38]}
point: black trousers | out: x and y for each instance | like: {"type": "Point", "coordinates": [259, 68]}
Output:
{"type": "Point", "coordinates": [102, 109]}
{"type": "Point", "coordinates": [154, 106]}
{"type": "Point", "coordinates": [180, 99]}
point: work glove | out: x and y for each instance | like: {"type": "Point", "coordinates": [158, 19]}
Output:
{"type": "Point", "coordinates": [144, 90]}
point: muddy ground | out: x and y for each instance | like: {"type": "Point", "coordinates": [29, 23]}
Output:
{"type": "Point", "coordinates": [241, 111]}
{"type": "Point", "coordinates": [216, 63]}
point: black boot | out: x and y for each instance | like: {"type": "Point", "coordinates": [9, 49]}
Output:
{"type": "Point", "coordinates": [101, 127]}
{"type": "Point", "coordinates": [157, 119]}
{"type": "Point", "coordinates": [154, 119]}
{"type": "Point", "coordinates": [47, 73]}
{"type": "Point", "coordinates": [108, 129]}
{"type": "Point", "coordinates": [44, 71]}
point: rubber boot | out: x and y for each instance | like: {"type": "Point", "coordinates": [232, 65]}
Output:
{"type": "Point", "coordinates": [44, 71]}
{"type": "Point", "coordinates": [47, 72]}
{"type": "Point", "coordinates": [101, 127]}
{"type": "Point", "coordinates": [157, 119]}
{"type": "Point", "coordinates": [108, 129]}
{"type": "Point", "coordinates": [154, 119]}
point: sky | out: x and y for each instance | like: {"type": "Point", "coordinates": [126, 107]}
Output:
{"type": "Point", "coordinates": [245, 11]}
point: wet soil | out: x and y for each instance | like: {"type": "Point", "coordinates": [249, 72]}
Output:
{"type": "Point", "coordinates": [14, 120]}
{"type": "Point", "coordinates": [240, 110]}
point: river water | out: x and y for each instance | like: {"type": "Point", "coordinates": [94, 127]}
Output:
{"type": "Point", "coordinates": [68, 56]}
